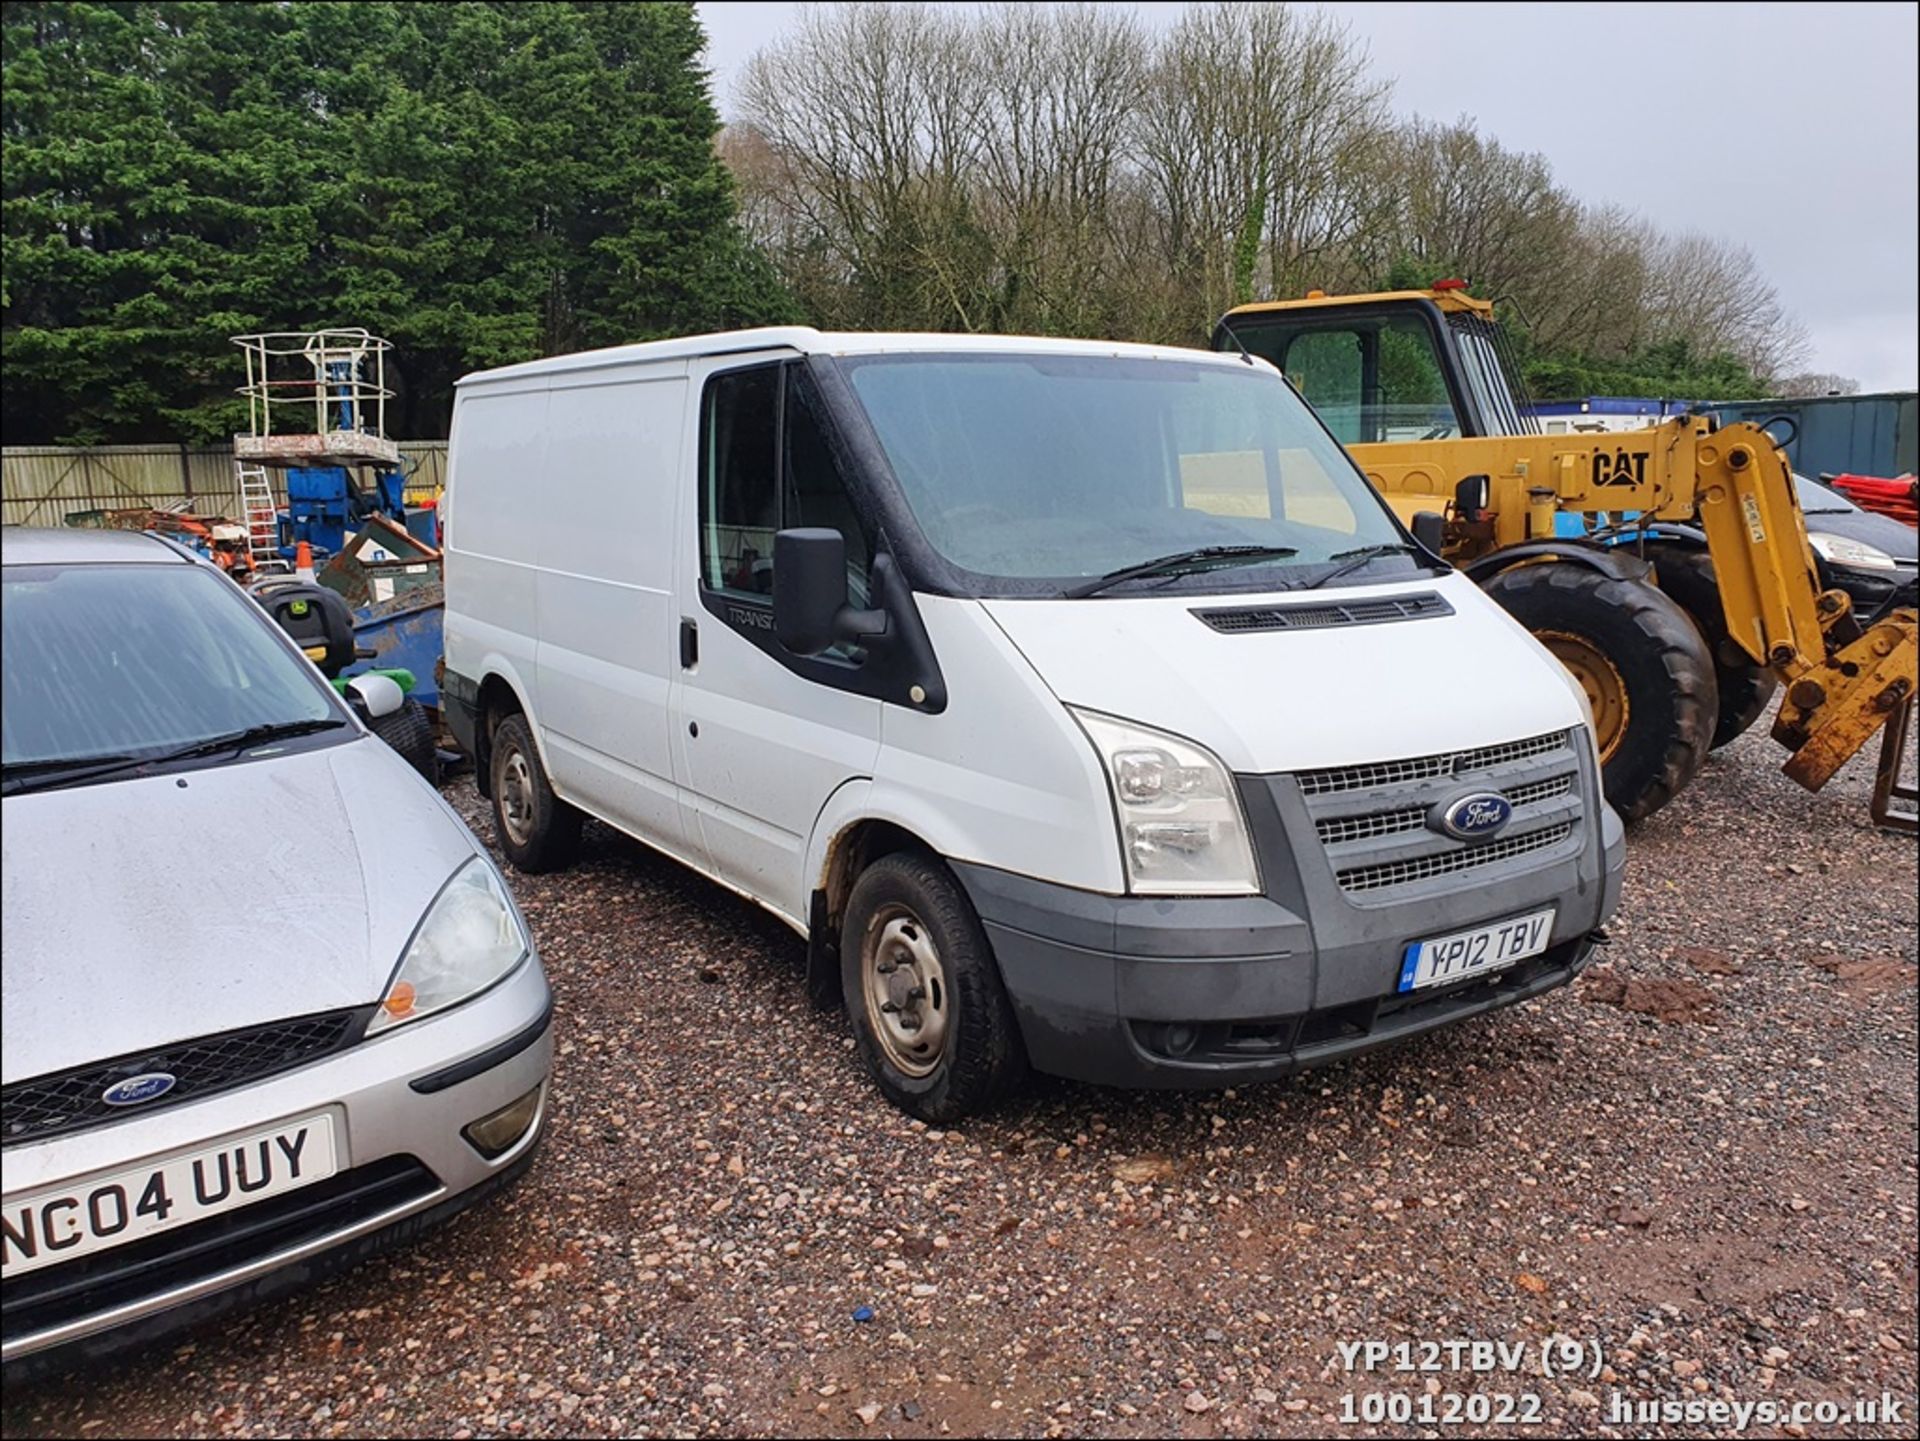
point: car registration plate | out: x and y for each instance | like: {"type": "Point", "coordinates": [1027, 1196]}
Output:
{"type": "Point", "coordinates": [1477, 952]}
{"type": "Point", "coordinates": [47, 1227]}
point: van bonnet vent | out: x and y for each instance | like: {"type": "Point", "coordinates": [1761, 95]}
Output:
{"type": "Point", "coordinates": [1241, 620]}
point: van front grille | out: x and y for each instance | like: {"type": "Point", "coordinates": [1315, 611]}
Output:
{"type": "Point", "coordinates": [1472, 857]}
{"type": "Point", "coordinates": [1342, 829]}
{"type": "Point", "coordinates": [1451, 763]}
{"type": "Point", "coordinates": [1371, 819]}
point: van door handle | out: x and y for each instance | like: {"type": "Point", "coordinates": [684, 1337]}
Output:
{"type": "Point", "coordinates": [689, 644]}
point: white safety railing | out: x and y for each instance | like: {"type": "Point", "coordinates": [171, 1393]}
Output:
{"type": "Point", "coordinates": [315, 382]}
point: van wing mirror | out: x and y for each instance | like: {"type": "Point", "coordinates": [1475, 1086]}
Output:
{"type": "Point", "coordinates": [810, 609]}
{"type": "Point", "coordinates": [1430, 531]}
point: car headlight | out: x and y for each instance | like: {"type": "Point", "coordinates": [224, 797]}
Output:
{"type": "Point", "coordinates": [469, 939]}
{"type": "Point", "coordinates": [1181, 828]}
{"type": "Point", "coordinates": [1839, 550]}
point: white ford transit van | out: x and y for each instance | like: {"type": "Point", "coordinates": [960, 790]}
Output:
{"type": "Point", "coordinates": [1079, 703]}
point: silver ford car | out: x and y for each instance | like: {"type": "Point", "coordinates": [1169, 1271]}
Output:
{"type": "Point", "coordinates": [268, 1005]}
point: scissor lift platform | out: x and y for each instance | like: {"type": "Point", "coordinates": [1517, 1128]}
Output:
{"type": "Point", "coordinates": [315, 398]}
{"type": "Point", "coordinates": [334, 447]}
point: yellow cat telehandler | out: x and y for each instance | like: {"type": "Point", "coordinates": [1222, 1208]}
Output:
{"type": "Point", "coordinates": [1667, 568]}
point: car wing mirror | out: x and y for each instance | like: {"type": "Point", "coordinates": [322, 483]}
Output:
{"type": "Point", "coordinates": [375, 696]}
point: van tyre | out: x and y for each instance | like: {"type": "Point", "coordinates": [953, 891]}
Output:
{"type": "Point", "coordinates": [1644, 665]}
{"type": "Point", "coordinates": [923, 992]}
{"type": "Point", "coordinates": [537, 830]}
{"type": "Point", "coordinates": [410, 733]}
{"type": "Point", "coordinates": [1746, 686]}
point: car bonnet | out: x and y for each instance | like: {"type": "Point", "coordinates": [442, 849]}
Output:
{"type": "Point", "coordinates": [147, 911]}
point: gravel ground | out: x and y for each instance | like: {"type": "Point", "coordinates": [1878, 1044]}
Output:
{"type": "Point", "coordinates": [1701, 1158]}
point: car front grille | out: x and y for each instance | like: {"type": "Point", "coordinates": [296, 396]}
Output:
{"type": "Point", "coordinates": [45, 1106]}
{"type": "Point", "coordinates": [1372, 820]}
{"type": "Point", "coordinates": [125, 1275]}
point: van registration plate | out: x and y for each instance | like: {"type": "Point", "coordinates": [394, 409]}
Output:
{"type": "Point", "coordinates": [77, 1219]}
{"type": "Point", "coordinates": [1477, 952]}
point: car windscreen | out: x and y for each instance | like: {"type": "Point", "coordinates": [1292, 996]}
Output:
{"type": "Point", "coordinates": [103, 660]}
{"type": "Point", "coordinates": [1054, 468]}
{"type": "Point", "coordinates": [1818, 500]}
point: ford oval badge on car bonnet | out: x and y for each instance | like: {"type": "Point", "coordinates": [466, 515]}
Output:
{"type": "Point", "coordinates": [135, 1089]}
{"type": "Point", "coordinates": [1475, 817]}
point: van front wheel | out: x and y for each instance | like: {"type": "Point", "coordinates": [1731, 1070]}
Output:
{"type": "Point", "coordinates": [538, 831]}
{"type": "Point", "coordinates": [929, 1014]}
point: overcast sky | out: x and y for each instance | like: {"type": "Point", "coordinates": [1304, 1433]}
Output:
{"type": "Point", "coordinates": [1789, 128]}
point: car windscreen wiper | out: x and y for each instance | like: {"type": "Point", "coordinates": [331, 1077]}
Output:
{"type": "Point", "coordinates": [249, 738]}
{"type": "Point", "coordinates": [26, 775]}
{"type": "Point", "coordinates": [1354, 559]}
{"type": "Point", "coordinates": [1208, 557]}
{"type": "Point", "coordinates": [53, 774]}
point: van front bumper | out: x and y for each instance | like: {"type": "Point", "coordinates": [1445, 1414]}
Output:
{"type": "Point", "coordinates": [1219, 991]}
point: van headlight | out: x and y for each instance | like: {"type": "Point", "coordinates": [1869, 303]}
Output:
{"type": "Point", "coordinates": [1840, 550]}
{"type": "Point", "coordinates": [469, 939]}
{"type": "Point", "coordinates": [1182, 832]}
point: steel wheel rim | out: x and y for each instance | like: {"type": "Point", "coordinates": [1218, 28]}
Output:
{"type": "Point", "coordinates": [516, 797]}
{"type": "Point", "coordinates": [1600, 678]}
{"type": "Point", "coordinates": [906, 990]}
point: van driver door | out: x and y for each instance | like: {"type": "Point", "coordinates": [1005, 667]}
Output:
{"type": "Point", "coordinates": [759, 746]}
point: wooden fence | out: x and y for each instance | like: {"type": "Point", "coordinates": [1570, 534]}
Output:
{"type": "Point", "coordinates": [43, 484]}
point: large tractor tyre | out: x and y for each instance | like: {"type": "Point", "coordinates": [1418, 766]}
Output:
{"type": "Point", "coordinates": [1745, 685]}
{"type": "Point", "coordinates": [410, 732]}
{"type": "Point", "coordinates": [538, 831]}
{"type": "Point", "coordinates": [1644, 666]}
{"type": "Point", "coordinates": [930, 1017]}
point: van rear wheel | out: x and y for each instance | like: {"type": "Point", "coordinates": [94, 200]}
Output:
{"type": "Point", "coordinates": [537, 830]}
{"type": "Point", "coordinates": [1643, 664]}
{"type": "Point", "coordinates": [923, 992]}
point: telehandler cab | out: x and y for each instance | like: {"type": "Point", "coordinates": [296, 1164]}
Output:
{"type": "Point", "coordinates": [1689, 591]}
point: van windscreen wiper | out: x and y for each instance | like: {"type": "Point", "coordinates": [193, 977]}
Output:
{"type": "Point", "coordinates": [1356, 558]}
{"type": "Point", "coordinates": [1208, 557]}
{"type": "Point", "coordinates": [53, 774]}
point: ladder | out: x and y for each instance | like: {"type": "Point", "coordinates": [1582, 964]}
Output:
{"type": "Point", "coordinates": [259, 514]}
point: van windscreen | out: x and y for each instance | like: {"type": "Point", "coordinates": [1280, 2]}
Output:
{"type": "Point", "coordinates": [1061, 467]}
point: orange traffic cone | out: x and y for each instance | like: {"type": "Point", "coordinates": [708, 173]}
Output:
{"type": "Point", "coordinates": [303, 561]}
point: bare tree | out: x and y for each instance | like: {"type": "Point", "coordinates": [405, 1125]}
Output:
{"type": "Point", "coordinates": [867, 108]}
{"type": "Point", "coordinates": [1053, 169]}
{"type": "Point", "coordinates": [1057, 87]}
{"type": "Point", "coordinates": [1710, 293]}
{"type": "Point", "coordinates": [1253, 130]}
{"type": "Point", "coordinates": [1814, 383]}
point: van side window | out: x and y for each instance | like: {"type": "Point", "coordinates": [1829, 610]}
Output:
{"type": "Point", "coordinates": [739, 499]}
{"type": "Point", "coordinates": [766, 466]}
{"type": "Point", "coordinates": [816, 492]}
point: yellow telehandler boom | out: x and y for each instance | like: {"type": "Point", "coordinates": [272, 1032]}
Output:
{"type": "Point", "coordinates": [1668, 568]}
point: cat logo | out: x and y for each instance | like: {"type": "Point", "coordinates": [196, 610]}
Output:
{"type": "Point", "coordinates": [1620, 468]}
